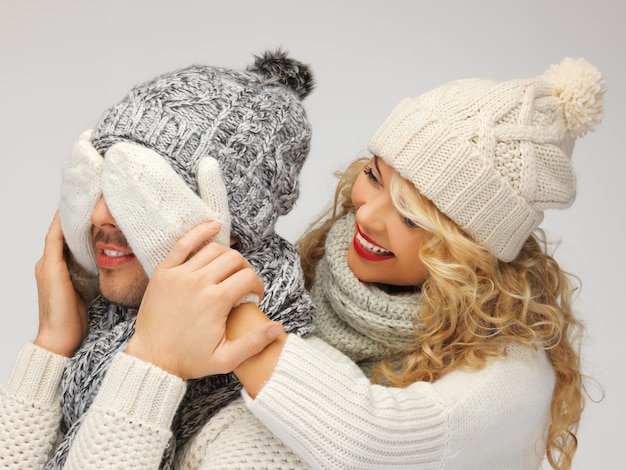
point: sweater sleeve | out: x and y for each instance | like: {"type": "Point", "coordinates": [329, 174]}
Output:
{"type": "Point", "coordinates": [320, 404]}
{"type": "Point", "coordinates": [128, 424]}
{"type": "Point", "coordinates": [30, 410]}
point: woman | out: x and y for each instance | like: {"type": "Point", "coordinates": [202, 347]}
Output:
{"type": "Point", "coordinates": [432, 278]}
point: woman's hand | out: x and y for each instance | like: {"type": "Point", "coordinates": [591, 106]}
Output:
{"type": "Point", "coordinates": [181, 321]}
{"type": "Point", "coordinates": [62, 312]}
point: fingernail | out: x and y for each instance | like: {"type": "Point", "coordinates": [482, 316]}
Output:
{"type": "Point", "coordinates": [275, 331]}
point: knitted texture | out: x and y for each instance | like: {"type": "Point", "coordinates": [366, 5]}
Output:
{"type": "Point", "coordinates": [29, 408]}
{"type": "Point", "coordinates": [317, 402]}
{"type": "Point", "coordinates": [359, 319]}
{"type": "Point", "coordinates": [494, 155]}
{"type": "Point", "coordinates": [132, 392]}
{"type": "Point", "coordinates": [235, 439]}
{"type": "Point", "coordinates": [320, 405]}
{"type": "Point", "coordinates": [165, 146]}
{"type": "Point", "coordinates": [154, 205]}
{"type": "Point", "coordinates": [249, 121]}
{"type": "Point", "coordinates": [252, 122]}
{"type": "Point", "coordinates": [111, 327]}
{"type": "Point", "coordinates": [81, 189]}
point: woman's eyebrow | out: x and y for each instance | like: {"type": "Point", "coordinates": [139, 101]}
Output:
{"type": "Point", "coordinates": [376, 164]}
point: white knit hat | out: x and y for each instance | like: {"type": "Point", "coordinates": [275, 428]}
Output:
{"type": "Point", "coordinates": [492, 155]}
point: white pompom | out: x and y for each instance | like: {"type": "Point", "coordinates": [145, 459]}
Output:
{"type": "Point", "coordinates": [581, 88]}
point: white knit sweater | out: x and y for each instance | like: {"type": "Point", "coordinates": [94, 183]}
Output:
{"type": "Point", "coordinates": [322, 406]}
{"type": "Point", "coordinates": [317, 402]}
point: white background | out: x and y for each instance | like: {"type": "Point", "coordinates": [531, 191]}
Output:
{"type": "Point", "coordinates": [64, 62]}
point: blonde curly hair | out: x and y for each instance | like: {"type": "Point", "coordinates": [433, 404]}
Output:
{"type": "Point", "coordinates": [474, 305]}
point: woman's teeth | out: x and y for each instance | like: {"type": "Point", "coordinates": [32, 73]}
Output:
{"type": "Point", "coordinates": [372, 248]}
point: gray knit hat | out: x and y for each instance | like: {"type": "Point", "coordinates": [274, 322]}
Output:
{"type": "Point", "coordinates": [492, 155]}
{"type": "Point", "coordinates": [236, 138]}
{"type": "Point", "coordinates": [251, 121]}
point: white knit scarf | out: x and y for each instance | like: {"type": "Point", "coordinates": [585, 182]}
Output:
{"type": "Point", "coordinates": [360, 319]}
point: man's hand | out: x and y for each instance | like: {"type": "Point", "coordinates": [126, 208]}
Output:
{"type": "Point", "coordinates": [181, 321]}
{"type": "Point", "coordinates": [62, 312]}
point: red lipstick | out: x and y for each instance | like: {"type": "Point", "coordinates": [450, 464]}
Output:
{"type": "Point", "coordinates": [369, 254]}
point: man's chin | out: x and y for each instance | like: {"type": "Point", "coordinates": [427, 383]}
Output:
{"type": "Point", "coordinates": [120, 302]}
{"type": "Point", "coordinates": [124, 299]}
{"type": "Point", "coordinates": [126, 291]}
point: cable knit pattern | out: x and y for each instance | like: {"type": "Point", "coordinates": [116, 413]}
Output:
{"type": "Point", "coordinates": [494, 155]}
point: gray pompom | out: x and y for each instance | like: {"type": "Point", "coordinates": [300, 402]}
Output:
{"type": "Point", "coordinates": [278, 68]}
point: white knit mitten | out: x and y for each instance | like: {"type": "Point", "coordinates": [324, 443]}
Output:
{"type": "Point", "coordinates": [153, 206]}
{"type": "Point", "coordinates": [80, 191]}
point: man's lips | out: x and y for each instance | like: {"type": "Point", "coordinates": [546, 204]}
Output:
{"type": "Point", "coordinates": [110, 256]}
{"type": "Point", "coordinates": [367, 249]}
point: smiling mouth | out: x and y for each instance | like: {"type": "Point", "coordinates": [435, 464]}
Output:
{"type": "Point", "coordinates": [366, 249]}
{"type": "Point", "coordinates": [115, 254]}
{"type": "Point", "coordinates": [374, 249]}
{"type": "Point", "coordinates": [111, 257]}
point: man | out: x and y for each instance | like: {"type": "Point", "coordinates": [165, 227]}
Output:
{"type": "Point", "coordinates": [194, 145]}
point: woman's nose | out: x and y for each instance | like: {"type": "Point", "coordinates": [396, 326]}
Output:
{"type": "Point", "coordinates": [371, 214]}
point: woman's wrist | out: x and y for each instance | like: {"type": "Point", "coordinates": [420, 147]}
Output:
{"type": "Point", "coordinates": [256, 371]}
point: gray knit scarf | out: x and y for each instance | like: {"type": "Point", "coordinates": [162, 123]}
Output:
{"type": "Point", "coordinates": [360, 319]}
{"type": "Point", "coordinates": [111, 327]}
